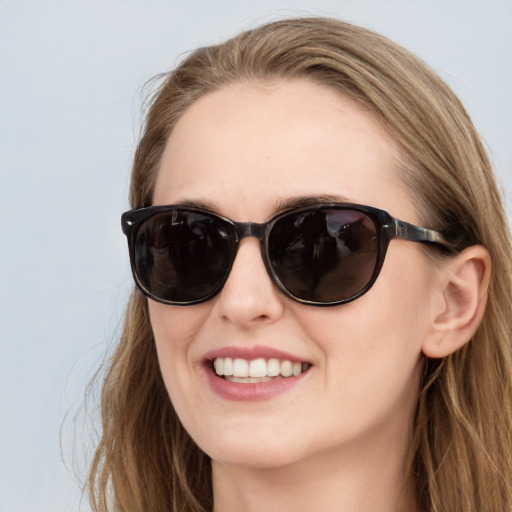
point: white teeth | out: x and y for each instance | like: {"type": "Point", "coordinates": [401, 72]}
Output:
{"type": "Point", "coordinates": [219, 366]}
{"type": "Point", "coordinates": [240, 368]}
{"type": "Point", "coordinates": [286, 368]}
{"type": "Point", "coordinates": [248, 380]}
{"type": "Point", "coordinates": [257, 370]}
{"type": "Point", "coordinates": [273, 368]}
{"type": "Point", "coordinates": [228, 366]}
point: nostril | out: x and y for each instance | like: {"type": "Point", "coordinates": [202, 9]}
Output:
{"type": "Point", "coordinates": [261, 318]}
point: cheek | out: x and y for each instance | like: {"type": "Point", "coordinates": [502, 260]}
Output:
{"type": "Point", "coordinates": [395, 309]}
{"type": "Point", "coordinates": [372, 346]}
{"type": "Point", "coordinates": [173, 326]}
{"type": "Point", "coordinates": [174, 329]}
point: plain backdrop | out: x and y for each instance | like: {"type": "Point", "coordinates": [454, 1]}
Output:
{"type": "Point", "coordinates": [71, 77]}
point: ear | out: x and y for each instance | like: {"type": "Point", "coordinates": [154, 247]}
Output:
{"type": "Point", "coordinates": [464, 288]}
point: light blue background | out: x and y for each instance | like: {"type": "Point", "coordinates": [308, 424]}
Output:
{"type": "Point", "coordinates": [70, 79]}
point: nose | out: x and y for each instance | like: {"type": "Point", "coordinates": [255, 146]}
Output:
{"type": "Point", "coordinates": [249, 298]}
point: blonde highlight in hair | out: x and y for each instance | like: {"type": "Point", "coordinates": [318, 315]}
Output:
{"type": "Point", "coordinates": [461, 451]}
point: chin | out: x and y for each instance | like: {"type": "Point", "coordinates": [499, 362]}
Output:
{"type": "Point", "coordinates": [253, 457]}
{"type": "Point", "coordinates": [264, 450]}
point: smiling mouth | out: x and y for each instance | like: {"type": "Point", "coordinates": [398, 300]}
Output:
{"type": "Point", "coordinates": [257, 370]}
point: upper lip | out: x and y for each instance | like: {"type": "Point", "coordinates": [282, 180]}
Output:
{"type": "Point", "coordinates": [252, 352]}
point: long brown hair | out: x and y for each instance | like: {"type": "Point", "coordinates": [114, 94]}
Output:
{"type": "Point", "coordinates": [461, 451]}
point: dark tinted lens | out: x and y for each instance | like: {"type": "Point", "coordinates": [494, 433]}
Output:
{"type": "Point", "coordinates": [182, 256]}
{"type": "Point", "coordinates": [324, 255]}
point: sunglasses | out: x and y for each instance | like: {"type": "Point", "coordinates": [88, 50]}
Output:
{"type": "Point", "coordinates": [322, 255]}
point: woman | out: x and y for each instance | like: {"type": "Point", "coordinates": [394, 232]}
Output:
{"type": "Point", "coordinates": [313, 229]}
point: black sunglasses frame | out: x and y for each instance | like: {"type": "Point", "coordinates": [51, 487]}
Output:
{"type": "Point", "coordinates": [387, 228]}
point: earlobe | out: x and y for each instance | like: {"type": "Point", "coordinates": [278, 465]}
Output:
{"type": "Point", "coordinates": [465, 282]}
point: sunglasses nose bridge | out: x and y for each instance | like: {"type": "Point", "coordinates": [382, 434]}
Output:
{"type": "Point", "coordinates": [245, 229]}
{"type": "Point", "coordinates": [256, 230]}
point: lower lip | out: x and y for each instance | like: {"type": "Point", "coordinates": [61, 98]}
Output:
{"type": "Point", "coordinates": [251, 392]}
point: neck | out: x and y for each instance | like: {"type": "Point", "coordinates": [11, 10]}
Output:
{"type": "Point", "coordinates": [348, 480]}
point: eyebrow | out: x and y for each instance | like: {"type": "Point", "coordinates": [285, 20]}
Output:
{"type": "Point", "coordinates": [297, 202]}
{"type": "Point", "coordinates": [204, 204]}
{"type": "Point", "coordinates": [280, 206]}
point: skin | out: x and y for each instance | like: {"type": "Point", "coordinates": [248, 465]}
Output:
{"type": "Point", "coordinates": [337, 440]}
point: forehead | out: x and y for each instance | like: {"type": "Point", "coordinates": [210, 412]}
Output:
{"type": "Point", "coordinates": [248, 146]}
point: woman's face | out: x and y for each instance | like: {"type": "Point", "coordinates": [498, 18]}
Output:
{"type": "Point", "coordinates": [244, 151]}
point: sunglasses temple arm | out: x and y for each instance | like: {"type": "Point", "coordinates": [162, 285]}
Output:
{"type": "Point", "coordinates": [407, 231]}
